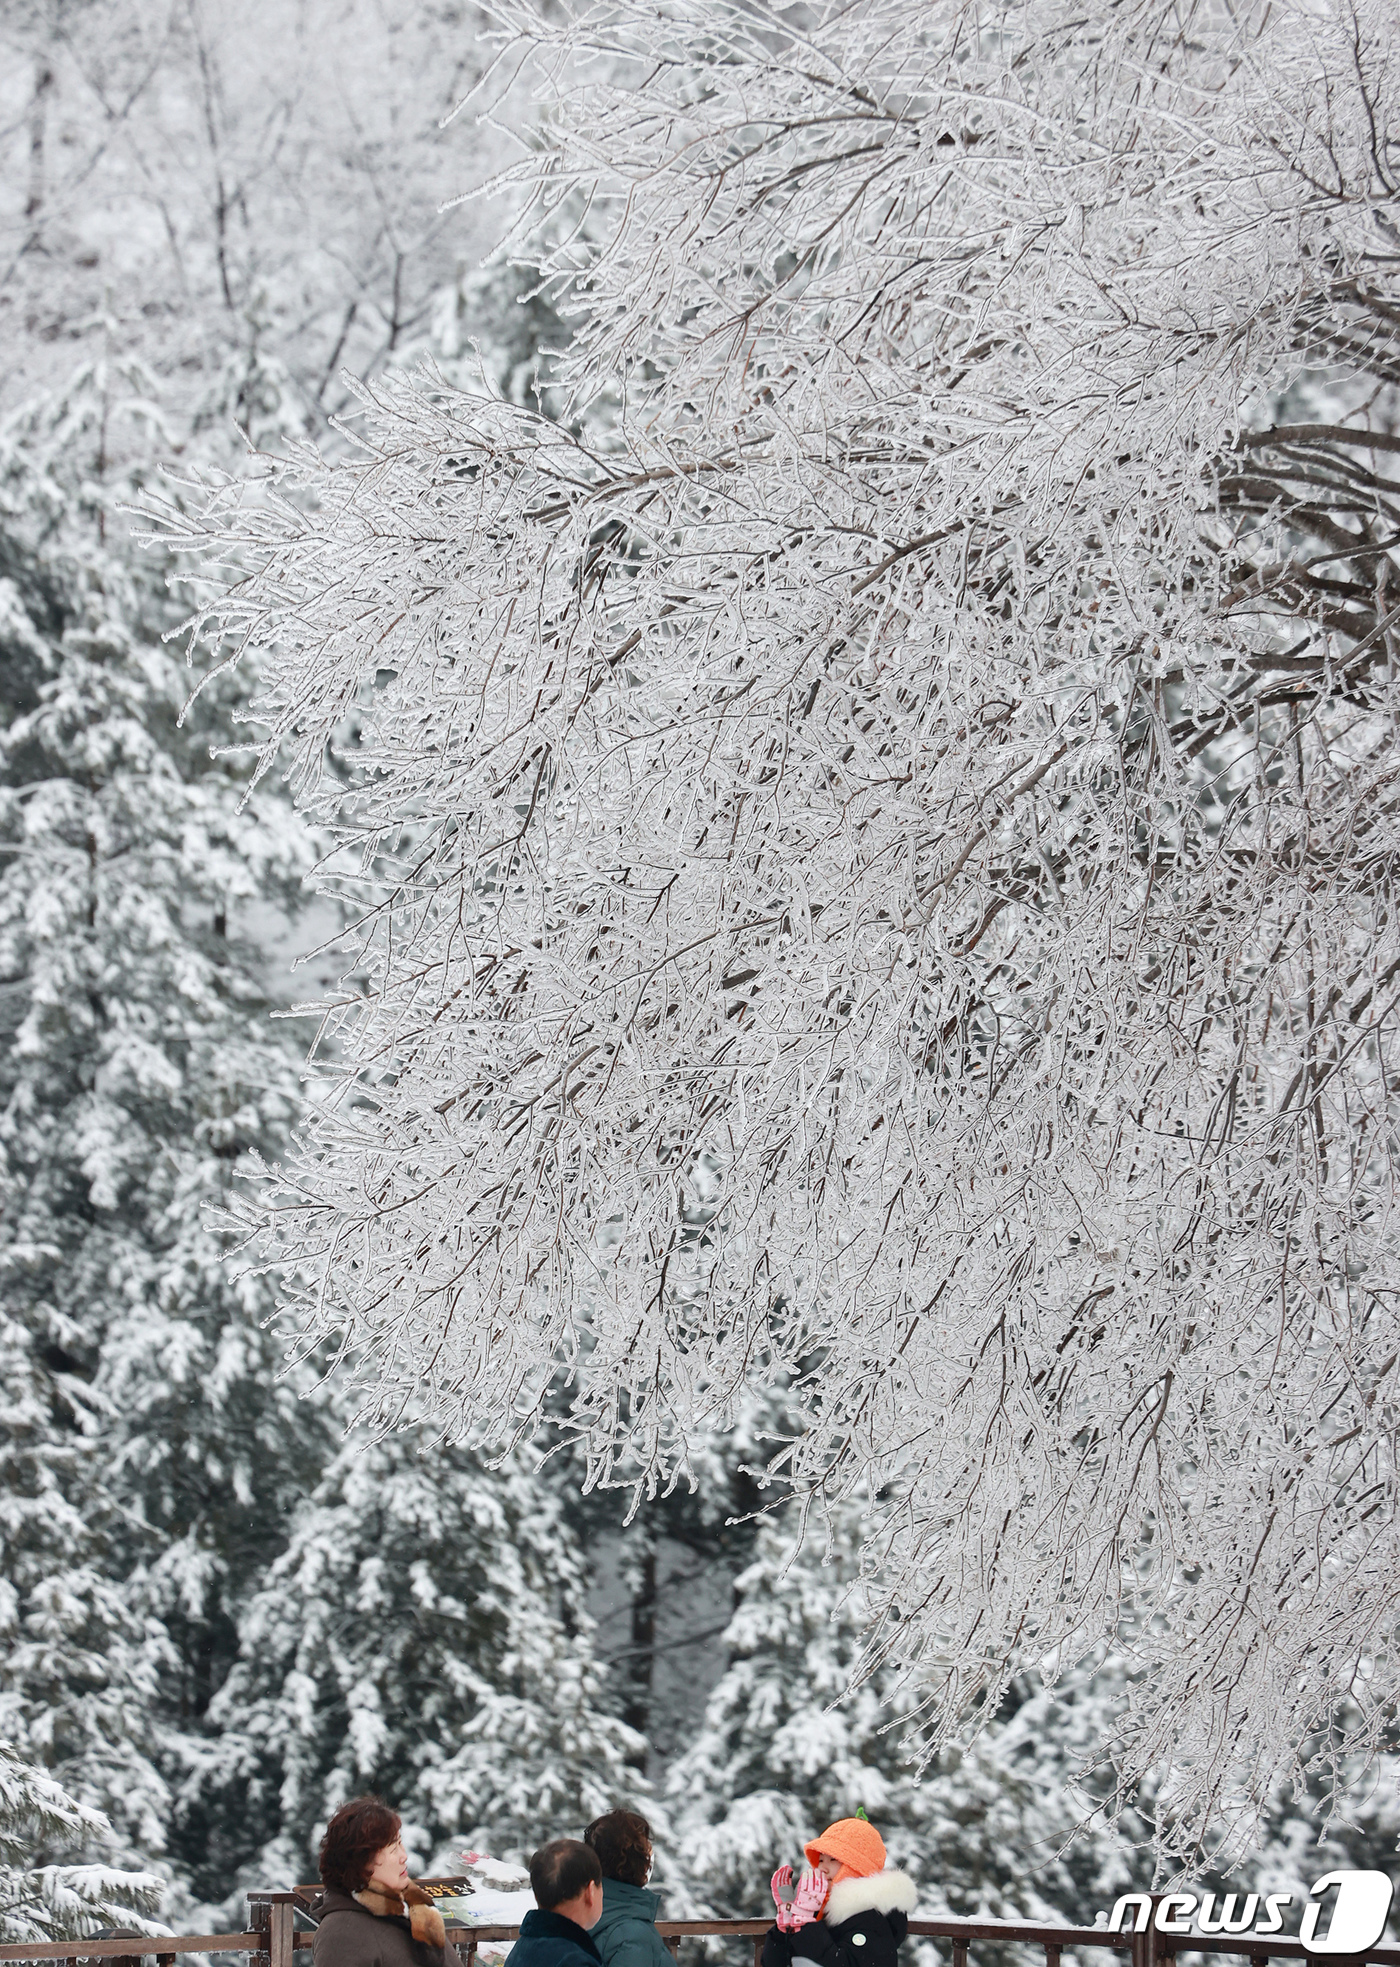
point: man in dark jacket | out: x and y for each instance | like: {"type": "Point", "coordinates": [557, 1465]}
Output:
{"type": "Point", "coordinates": [567, 1882]}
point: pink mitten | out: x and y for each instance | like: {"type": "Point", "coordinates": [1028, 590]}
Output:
{"type": "Point", "coordinates": [807, 1900]}
{"type": "Point", "coordinates": [782, 1893]}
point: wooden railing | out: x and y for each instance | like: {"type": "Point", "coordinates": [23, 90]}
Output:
{"type": "Point", "coordinates": [274, 1941]}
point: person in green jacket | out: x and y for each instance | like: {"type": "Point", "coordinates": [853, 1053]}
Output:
{"type": "Point", "coordinates": [626, 1935]}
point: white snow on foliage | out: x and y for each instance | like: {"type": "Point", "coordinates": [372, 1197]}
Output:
{"type": "Point", "coordinates": [874, 836]}
{"type": "Point", "coordinates": [52, 1901]}
{"type": "Point", "coordinates": [867, 801]}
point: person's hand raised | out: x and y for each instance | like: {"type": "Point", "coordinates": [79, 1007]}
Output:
{"type": "Point", "coordinates": [806, 1903]}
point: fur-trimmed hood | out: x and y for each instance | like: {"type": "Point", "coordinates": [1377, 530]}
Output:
{"type": "Point", "coordinates": [424, 1919]}
{"type": "Point", "coordinates": [883, 1891]}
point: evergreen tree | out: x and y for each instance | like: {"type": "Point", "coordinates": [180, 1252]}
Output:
{"type": "Point", "coordinates": [152, 1454]}
{"type": "Point", "coordinates": [172, 1514]}
{"type": "Point", "coordinates": [41, 1901]}
{"type": "Point", "coordinates": [422, 1636]}
{"type": "Point", "coordinates": [79, 1666]}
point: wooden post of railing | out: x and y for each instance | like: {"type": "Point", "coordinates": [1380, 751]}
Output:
{"type": "Point", "coordinates": [1161, 1947]}
{"type": "Point", "coordinates": [281, 1930]}
{"type": "Point", "coordinates": [960, 1953]}
{"type": "Point", "coordinates": [260, 1921]}
{"type": "Point", "coordinates": [1052, 1954]}
{"type": "Point", "coordinates": [272, 1914]}
{"type": "Point", "coordinates": [758, 1940]}
{"type": "Point", "coordinates": [1151, 1948]}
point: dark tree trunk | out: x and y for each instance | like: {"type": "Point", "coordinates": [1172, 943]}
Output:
{"type": "Point", "coordinates": [642, 1656]}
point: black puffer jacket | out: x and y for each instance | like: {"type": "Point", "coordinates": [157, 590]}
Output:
{"type": "Point", "coordinates": [862, 1924]}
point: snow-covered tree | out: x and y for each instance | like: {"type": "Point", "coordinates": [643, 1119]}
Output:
{"type": "Point", "coordinates": [158, 1465]}
{"type": "Point", "coordinates": [151, 1453]}
{"type": "Point", "coordinates": [495, 327]}
{"type": "Point", "coordinates": [41, 1901]}
{"type": "Point", "coordinates": [221, 182]}
{"type": "Point", "coordinates": [922, 785]}
{"type": "Point", "coordinates": [422, 1636]}
{"type": "Point", "coordinates": [79, 1664]}
{"type": "Point", "coordinates": [1350, 1818]}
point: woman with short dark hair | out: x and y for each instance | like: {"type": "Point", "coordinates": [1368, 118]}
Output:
{"type": "Point", "coordinates": [373, 1915]}
{"type": "Point", "coordinates": [626, 1935]}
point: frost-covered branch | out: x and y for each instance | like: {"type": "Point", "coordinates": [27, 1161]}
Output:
{"type": "Point", "coordinates": [878, 855]}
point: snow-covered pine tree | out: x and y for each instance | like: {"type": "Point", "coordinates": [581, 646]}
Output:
{"type": "Point", "coordinates": [44, 1900]}
{"type": "Point", "coordinates": [154, 1454]}
{"type": "Point", "coordinates": [79, 1669]}
{"type": "Point", "coordinates": [422, 1636]}
{"type": "Point", "coordinates": [984, 1832]}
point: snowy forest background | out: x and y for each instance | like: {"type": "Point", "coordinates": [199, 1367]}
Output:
{"type": "Point", "coordinates": [220, 1612]}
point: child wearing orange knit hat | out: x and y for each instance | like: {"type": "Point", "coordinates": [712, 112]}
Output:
{"type": "Point", "coordinates": [855, 1844]}
{"type": "Point", "coordinates": [849, 1910]}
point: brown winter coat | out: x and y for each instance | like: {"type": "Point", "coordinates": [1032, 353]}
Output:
{"type": "Point", "coordinates": [378, 1929]}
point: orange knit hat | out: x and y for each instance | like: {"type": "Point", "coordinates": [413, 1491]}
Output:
{"type": "Point", "coordinates": [855, 1842]}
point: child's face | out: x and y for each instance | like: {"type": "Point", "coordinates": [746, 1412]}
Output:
{"type": "Point", "coordinates": [829, 1867]}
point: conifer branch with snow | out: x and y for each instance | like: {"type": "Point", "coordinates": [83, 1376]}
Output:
{"type": "Point", "coordinates": [59, 1901]}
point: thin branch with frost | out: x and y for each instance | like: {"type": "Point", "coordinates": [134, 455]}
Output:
{"type": "Point", "coordinates": [878, 862]}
